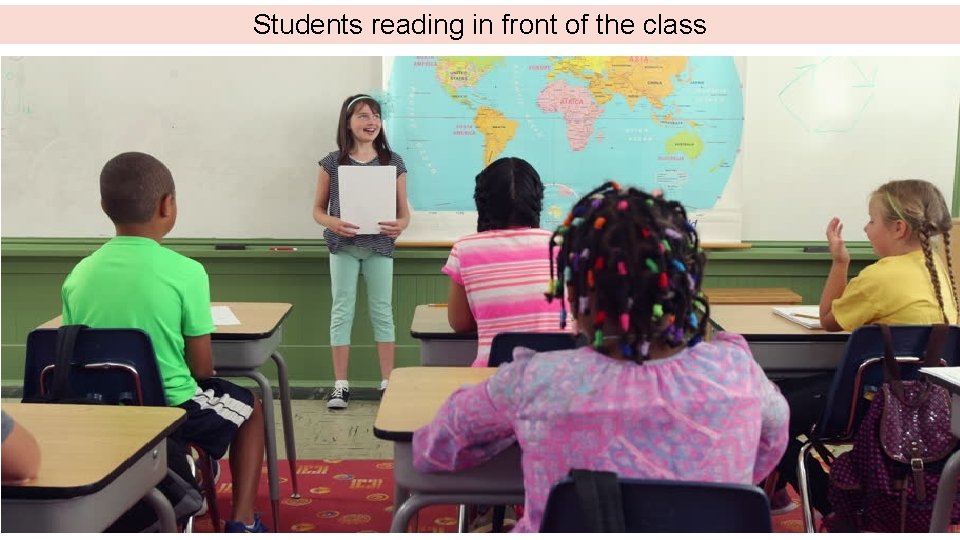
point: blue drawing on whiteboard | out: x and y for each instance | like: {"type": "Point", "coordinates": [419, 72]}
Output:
{"type": "Point", "coordinates": [831, 95]}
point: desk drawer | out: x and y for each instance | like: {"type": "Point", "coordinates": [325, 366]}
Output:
{"type": "Point", "coordinates": [775, 356]}
{"type": "Point", "coordinates": [245, 354]}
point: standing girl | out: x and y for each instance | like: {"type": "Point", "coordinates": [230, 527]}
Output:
{"type": "Point", "coordinates": [360, 141]}
{"type": "Point", "coordinates": [647, 398]}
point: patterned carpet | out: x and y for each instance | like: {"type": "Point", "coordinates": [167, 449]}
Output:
{"type": "Point", "coordinates": [340, 496]}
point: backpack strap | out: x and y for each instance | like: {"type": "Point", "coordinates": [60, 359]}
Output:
{"type": "Point", "coordinates": [66, 340]}
{"type": "Point", "coordinates": [935, 345]}
{"type": "Point", "coordinates": [600, 499]}
{"type": "Point", "coordinates": [891, 369]}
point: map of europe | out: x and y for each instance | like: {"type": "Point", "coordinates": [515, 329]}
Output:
{"type": "Point", "coordinates": [672, 123]}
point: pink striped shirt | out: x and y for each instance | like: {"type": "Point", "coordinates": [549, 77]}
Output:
{"type": "Point", "coordinates": [505, 273]}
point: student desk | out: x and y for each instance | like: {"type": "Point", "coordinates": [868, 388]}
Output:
{"type": "Point", "coordinates": [411, 401]}
{"type": "Point", "coordinates": [947, 487]}
{"type": "Point", "coordinates": [774, 296]}
{"type": "Point", "coordinates": [96, 462]}
{"type": "Point", "coordinates": [780, 346]}
{"type": "Point", "coordinates": [239, 351]}
{"type": "Point", "coordinates": [439, 344]}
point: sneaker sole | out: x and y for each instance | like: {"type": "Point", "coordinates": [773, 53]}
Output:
{"type": "Point", "coordinates": [336, 403]}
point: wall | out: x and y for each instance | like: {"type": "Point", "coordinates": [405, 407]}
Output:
{"type": "Point", "coordinates": [32, 272]}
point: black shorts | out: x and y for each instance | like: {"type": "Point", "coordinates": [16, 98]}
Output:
{"type": "Point", "coordinates": [214, 414]}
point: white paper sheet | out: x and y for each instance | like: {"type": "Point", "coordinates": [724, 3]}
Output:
{"type": "Point", "coordinates": [806, 316]}
{"type": "Point", "coordinates": [368, 195]}
{"type": "Point", "coordinates": [224, 316]}
{"type": "Point", "coordinates": [951, 375]}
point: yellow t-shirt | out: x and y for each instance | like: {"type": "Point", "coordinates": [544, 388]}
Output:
{"type": "Point", "coordinates": [895, 290]}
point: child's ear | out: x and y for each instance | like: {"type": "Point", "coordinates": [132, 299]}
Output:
{"type": "Point", "coordinates": [167, 205]}
{"type": "Point", "coordinates": [901, 229]}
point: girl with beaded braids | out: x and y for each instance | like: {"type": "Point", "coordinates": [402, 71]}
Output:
{"type": "Point", "coordinates": [647, 398]}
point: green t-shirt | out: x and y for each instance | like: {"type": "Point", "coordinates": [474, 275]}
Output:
{"type": "Point", "coordinates": [134, 282]}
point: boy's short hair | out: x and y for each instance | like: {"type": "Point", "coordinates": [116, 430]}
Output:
{"type": "Point", "coordinates": [131, 186]}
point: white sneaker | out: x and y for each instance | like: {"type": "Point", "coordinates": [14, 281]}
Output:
{"type": "Point", "coordinates": [339, 397]}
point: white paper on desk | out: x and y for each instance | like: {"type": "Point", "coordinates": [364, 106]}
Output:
{"type": "Point", "coordinates": [949, 374]}
{"type": "Point", "coordinates": [805, 316]}
{"type": "Point", "coordinates": [223, 316]}
{"type": "Point", "coordinates": [368, 195]}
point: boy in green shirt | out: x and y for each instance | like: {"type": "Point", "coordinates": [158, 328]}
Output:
{"type": "Point", "coordinates": [134, 282]}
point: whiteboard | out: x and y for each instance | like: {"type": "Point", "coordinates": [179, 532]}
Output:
{"type": "Point", "coordinates": [821, 133]}
{"type": "Point", "coordinates": [242, 136]}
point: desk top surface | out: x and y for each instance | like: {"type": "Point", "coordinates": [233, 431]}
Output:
{"type": "Point", "coordinates": [416, 393]}
{"type": "Point", "coordinates": [760, 322]}
{"type": "Point", "coordinates": [430, 322]}
{"type": "Point", "coordinates": [257, 320]}
{"type": "Point", "coordinates": [85, 447]}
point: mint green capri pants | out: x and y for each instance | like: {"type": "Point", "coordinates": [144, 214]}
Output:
{"type": "Point", "coordinates": [377, 272]}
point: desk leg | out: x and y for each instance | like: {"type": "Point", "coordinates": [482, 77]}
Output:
{"type": "Point", "coordinates": [270, 441]}
{"type": "Point", "coordinates": [287, 415]}
{"type": "Point", "coordinates": [161, 505]}
{"type": "Point", "coordinates": [946, 495]}
{"type": "Point", "coordinates": [462, 518]}
{"type": "Point", "coordinates": [404, 512]}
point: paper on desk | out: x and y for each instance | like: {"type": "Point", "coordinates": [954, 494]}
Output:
{"type": "Point", "coordinates": [948, 374]}
{"type": "Point", "coordinates": [805, 316]}
{"type": "Point", "coordinates": [223, 316]}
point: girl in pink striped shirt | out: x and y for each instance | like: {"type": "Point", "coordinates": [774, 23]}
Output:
{"type": "Point", "coordinates": [497, 275]}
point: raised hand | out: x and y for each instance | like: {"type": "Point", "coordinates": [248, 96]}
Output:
{"type": "Point", "coordinates": [838, 249]}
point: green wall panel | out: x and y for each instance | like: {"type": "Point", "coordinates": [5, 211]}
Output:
{"type": "Point", "coordinates": [34, 269]}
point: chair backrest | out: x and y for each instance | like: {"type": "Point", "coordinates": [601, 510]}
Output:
{"type": "Point", "coordinates": [118, 365]}
{"type": "Point", "coordinates": [860, 373]}
{"type": "Point", "coordinates": [501, 348]}
{"type": "Point", "coordinates": [668, 506]}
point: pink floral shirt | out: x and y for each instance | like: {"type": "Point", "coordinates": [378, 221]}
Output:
{"type": "Point", "coordinates": [708, 413]}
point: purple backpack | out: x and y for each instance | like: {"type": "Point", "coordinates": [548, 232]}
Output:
{"type": "Point", "coordinates": [888, 481]}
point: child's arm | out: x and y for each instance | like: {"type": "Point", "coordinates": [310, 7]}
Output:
{"type": "Point", "coordinates": [397, 226]}
{"type": "Point", "coordinates": [837, 278]}
{"type": "Point", "coordinates": [774, 432]}
{"type": "Point", "coordinates": [458, 309]}
{"type": "Point", "coordinates": [21, 454]}
{"type": "Point", "coordinates": [199, 353]}
{"type": "Point", "coordinates": [467, 431]}
{"type": "Point", "coordinates": [321, 202]}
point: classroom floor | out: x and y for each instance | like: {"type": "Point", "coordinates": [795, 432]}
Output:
{"type": "Point", "coordinates": [324, 434]}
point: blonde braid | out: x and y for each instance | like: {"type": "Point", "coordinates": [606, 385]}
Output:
{"type": "Point", "coordinates": [950, 275]}
{"type": "Point", "coordinates": [924, 234]}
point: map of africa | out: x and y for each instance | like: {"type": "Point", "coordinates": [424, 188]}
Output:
{"type": "Point", "coordinates": [667, 122]}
